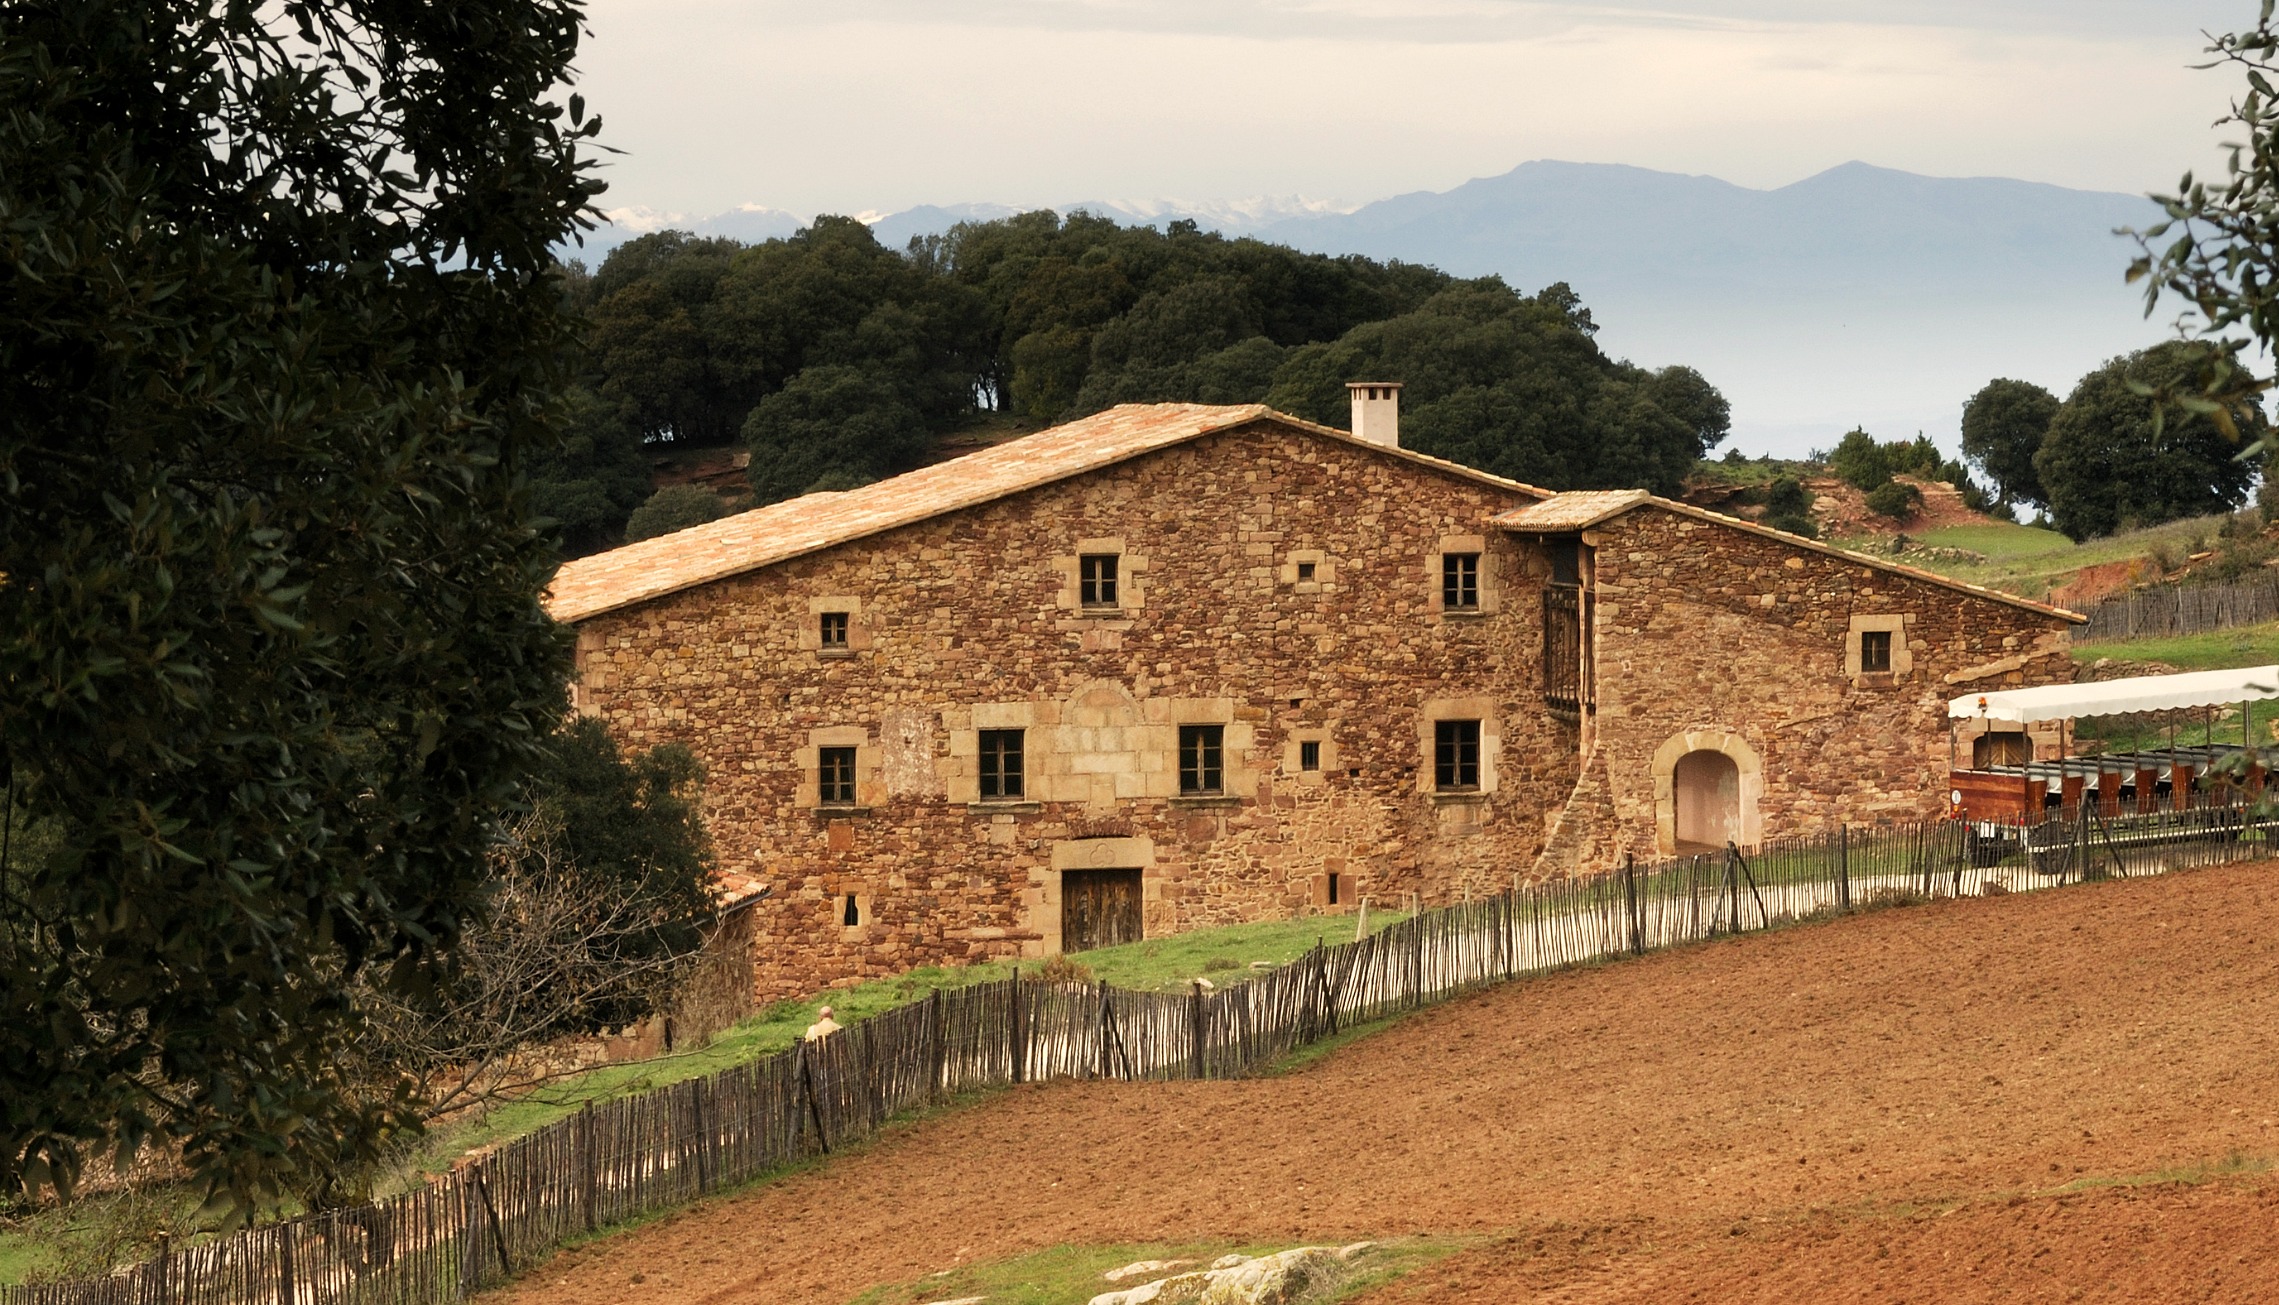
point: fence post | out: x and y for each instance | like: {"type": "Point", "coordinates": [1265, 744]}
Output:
{"type": "Point", "coordinates": [285, 1264]}
{"type": "Point", "coordinates": [703, 1135]}
{"type": "Point", "coordinates": [1844, 868]}
{"type": "Point", "coordinates": [1630, 896]}
{"type": "Point", "coordinates": [490, 1212]}
{"type": "Point", "coordinates": [1102, 1063]}
{"type": "Point", "coordinates": [1198, 1033]}
{"type": "Point", "coordinates": [1019, 1043]}
{"type": "Point", "coordinates": [1416, 955]}
{"type": "Point", "coordinates": [807, 1086]}
{"type": "Point", "coordinates": [934, 1085]}
{"type": "Point", "coordinates": [587, 1189]}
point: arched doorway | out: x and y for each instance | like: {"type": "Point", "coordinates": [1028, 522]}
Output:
{"type": "Point", "coordinates": [1708, 784]}
{"type": "Point", "coordinates": [1706, 788]}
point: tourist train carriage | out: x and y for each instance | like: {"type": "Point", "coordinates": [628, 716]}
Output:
{"type": "Point", "coordinates": [2020, 787]}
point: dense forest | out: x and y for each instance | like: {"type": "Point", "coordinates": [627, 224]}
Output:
{"type": "Point", "coordinates": [837, 361]}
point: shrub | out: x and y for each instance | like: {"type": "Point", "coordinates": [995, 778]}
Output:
{"type": "Point", "coordinates": [1787, 497]}
{"type": "Point", "coordinates": [675, 507]}
{"type": "Point", "coordinates": [1894, 499]}
{"type": "Point", "coordinates": [1863, 463]}
{"type": "Point", "coordinates": [1795, 525]}
{"type": "Point", "coordinates": [1063, 968]}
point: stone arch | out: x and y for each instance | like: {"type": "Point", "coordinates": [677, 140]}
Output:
{"type": "Point", "coordinates": [1744, 824]}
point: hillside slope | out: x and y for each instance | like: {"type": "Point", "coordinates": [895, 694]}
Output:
{"type": "Point", "coordinates": [1819, 1087]}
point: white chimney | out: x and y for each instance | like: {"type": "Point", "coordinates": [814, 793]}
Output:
{"type": "Point", "coordinates": [1376, 411]}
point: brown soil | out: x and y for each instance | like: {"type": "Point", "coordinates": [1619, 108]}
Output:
{"type": "Point", "coordinates": [1843, 510]}
{"type": "Point", "coordinates": [1786, 1117]}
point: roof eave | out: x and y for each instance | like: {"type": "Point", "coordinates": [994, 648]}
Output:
{"type": "Point", "coordinates": [1252, 413]}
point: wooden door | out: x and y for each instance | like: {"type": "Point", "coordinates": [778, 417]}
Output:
{"type": "Point", "coordinates": [1098, 908]}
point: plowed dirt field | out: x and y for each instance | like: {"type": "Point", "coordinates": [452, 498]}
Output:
{"type": "Point", "coordinates": [2060, 1096]}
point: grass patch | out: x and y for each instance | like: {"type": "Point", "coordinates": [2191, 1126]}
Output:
{"type": "Point", "coordinates": [2029, 562]}
{"type": "Point", "coordinates": [1224, 955]}
{"type": "Point", "coordinates": [2247, 645]}
{"type": "Point", "coordinates": [1071, 1275]}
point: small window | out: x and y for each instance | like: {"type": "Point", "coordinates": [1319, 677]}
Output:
{"type": "Point", "coordinates": [1201, 758]}
{"type": "Point", "coordinates": [835, 777]}
{"type": "Point", "coordinates": [1097, 571]}
{"type": "Point", "coordinates": [834, 629]}
{"type": "Point", "coordinates": [1875, 652]}
{"type": "Point", "coordinates": [1310, 755]}
{"type": "Point", "coordinates": [1460, 582]}
{"type": "Point", "coordinates": [1305, 572]}
{"type": "Point", "coordinates": [1456, 755]}
{"type": "Point", "coordinates": [1332, 886]}
{"type": "Point", "coordinates": [1000, 764]}
{"type": "Point", "coordinates": [851, 912]}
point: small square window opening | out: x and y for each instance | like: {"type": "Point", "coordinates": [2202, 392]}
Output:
{"type": "Point", "coordinates": [1097, 574]}
{"type": "Point", "coordinates": [1201, 758]}
{"type": "Point", "coordinates": [1456, 756]}
{"type": "Point", "coordinates": [1001, 769]}
{"type": "Point", "coordinates": [834, 629]}
{"type": "Point", "coordinates": [1875, 652]}
{"type": "Point", "coordinates": [1310, 755]}
{"type": "Point", "coordinates": [1305, 572]}
{"type": "Point", "coordinates": [1460, 582]}
{"type": "Point", "coordinates": [835, 776]}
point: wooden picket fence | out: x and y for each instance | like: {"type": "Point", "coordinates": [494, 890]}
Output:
{"type": "Point", "coordinates": [621, 1159]}
{"type": "Point", "coordinates": [2163, 610]}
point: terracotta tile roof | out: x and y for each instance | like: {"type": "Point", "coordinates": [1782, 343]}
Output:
{"type": "Point", "coordinates": [779, 532]}
{"type": "Point", "coordinates": [1591, 507]}
{"type": "Point", "coordinates": [1574, 510]}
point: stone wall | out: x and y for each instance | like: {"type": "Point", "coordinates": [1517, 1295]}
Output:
{"type": "Point", "coordinates": [1714, 636]}
{"type": "Point", "coordinates": [1279, 584]}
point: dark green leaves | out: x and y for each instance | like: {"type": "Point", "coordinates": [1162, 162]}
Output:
{"type": "Point", "coordinates": [271, 657]}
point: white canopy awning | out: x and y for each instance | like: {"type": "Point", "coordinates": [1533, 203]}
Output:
{"type": "Point", "coordinates": [2110, 697]}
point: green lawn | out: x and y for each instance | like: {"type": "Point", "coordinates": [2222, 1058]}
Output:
{"type": "Point", "coordinates": [2249, 645]}
{"type": "Point", "coordinates": [2029, 562]}
{"type": "Point", "coordinates": [1223, 955]}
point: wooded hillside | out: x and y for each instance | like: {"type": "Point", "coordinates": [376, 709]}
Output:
{"type": "Point", "coordinates": [838, 361]}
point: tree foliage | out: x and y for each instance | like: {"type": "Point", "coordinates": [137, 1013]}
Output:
{"type": "Point", "coordinates": [283, 330]}
{"type": "Point", "coordinates": [2218, 252]}
{"type": "Point", "coordinates": [675, 507]}
{"type": "Point", "coordinates": [2111, 462]}
{"type": "Point", "coordinates": [598, 900]}
{"type": "Point", "coordinates": [2003, 426]}
{"type": "Point", "coordinates": [839, 362]}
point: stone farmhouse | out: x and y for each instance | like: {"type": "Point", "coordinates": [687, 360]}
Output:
{"type": "Point", "coordinates": [1175, 665]}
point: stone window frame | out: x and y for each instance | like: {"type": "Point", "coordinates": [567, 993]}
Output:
{"type": "Point", "coordinates": [1452, 736]}
{"type": "Point", "coordinates": [865, 915]}
{"type": "Point", "coordinates": [1902, 657]}
{"type": "Point", "coordinates": [1293, 753]}
{"type": "Point", "coordinates": [1491, 586]}
{"type": "Point", "coordinates": [1348, 890]}
{"type": "Point", "coordinates": [859, 638]}
{"type": "Point", "coordinates": [1482, 709]}
{"type": "Point", "coordinates": [1131, 584]}
{"type": "Point", "coordinates": [1211, 737]}
{"type": "Point", "coordinates": [1324, 570]}
{"type": "Point", "coordinates": [1239, 768]}
{"type": "Point", "coordinates": [1020, 769]}
{"type": "Point", "coordinates": [961, 775]}
{"type": "Point", "coordinates": [809, 759]}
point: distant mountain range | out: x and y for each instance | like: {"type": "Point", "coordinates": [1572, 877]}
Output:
{"type": "Point", "coordinates": [1860, 296]}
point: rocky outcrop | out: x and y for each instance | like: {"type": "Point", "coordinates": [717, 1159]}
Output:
{"type": "Point", "coordinates": [1289, 1277]}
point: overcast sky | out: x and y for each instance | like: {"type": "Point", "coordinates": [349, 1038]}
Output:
{"type": "Point", "coordinates": [877, 105]}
